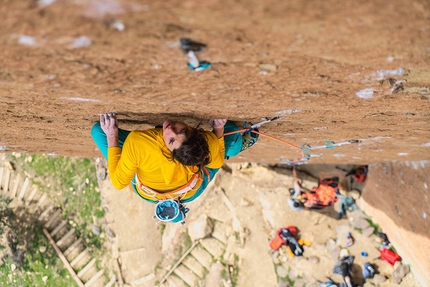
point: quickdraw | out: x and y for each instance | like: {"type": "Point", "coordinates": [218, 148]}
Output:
{"type": "Point", "coordinates": [328, 145]}
{"type": "Point", "coordinates": [248, 128]}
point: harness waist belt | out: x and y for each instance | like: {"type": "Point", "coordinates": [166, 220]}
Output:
{"type": "Point", "coordinates": [192, 185]}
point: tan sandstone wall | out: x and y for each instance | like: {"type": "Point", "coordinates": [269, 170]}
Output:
{"type": "Point", "coordinates": [396, 196]}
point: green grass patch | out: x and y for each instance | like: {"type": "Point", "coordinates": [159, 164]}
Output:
{"type": "Point", "coordinates": [30, 259]}
{"type": "Point", "coordinates": [358, 230]}
{"type": "Point", "coordinates": [234, 271]}
{"type": "Point", "coordinates": [70, 183]}
{"type": "Point", "coordinates": [374, 225]}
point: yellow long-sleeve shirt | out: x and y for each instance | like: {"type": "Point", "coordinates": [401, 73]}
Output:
{"type": "Point", "coordinates": [144, 153]}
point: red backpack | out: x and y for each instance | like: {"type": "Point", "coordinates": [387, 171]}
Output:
{"type": "Point", "coordinates": [389, 256]}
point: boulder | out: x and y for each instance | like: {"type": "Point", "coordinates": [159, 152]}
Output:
{"type": "Point", "coordinates": [200, 228]}
{"type": "Point", "coordinates": [368, 231]}
{"type": "Point", "coordinates": [399, 273]}
{"type": "Point", "coordinates": [281, 271]}
{"type": "Point", "coordinates": [360, 223]}
{"type": "Point", "coordinates": [379, 279]}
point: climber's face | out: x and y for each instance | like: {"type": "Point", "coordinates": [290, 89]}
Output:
{"type": "Point", "coordinates": [174, 134]}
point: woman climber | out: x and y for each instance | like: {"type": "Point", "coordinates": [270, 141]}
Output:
{"type": "Point", "coordinates": [173, 162]}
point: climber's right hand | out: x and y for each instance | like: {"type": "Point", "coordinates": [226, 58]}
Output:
{"type": "Point", "coordinates": [109, 124]}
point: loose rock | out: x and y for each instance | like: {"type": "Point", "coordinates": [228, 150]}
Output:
{"type": "Point", "coordinates": [368, 231]}
{"type": "Point", "coordinates": [314, 260]}
{"type": "Point", "coordinates": [95, 229]}
{"type": "Point", "coordinates": [200, 228]}
{"type": "Point", "coordinates": [275, 257]}
{"type": "Point", "coordinates": [331, 244]}
{"type": "Point", "coordinates": [281, 271]}
{"type": "Point", "coordinates": [379, 279]}
{"type": "Point", "coordinates": [334, 254]}
{"type": "Point", "coordinates": [361, 224]}
{"type": "Point", "coordinates": [293, 273]}
{"type": "Point", "coordinates": [267, 67]}
{"type": "Point", "coordinates": [399, 273]}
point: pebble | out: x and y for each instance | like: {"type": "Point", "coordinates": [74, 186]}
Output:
{"type": "Point", "coordinates": [101, 174]}
{"type": "Point", "coordinates": [42, 249]}
{"type": "Point", "coordinates": [95, 229]}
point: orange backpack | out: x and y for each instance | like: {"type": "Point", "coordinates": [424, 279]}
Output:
{"type": "Point", "coordinates": [322, 196]}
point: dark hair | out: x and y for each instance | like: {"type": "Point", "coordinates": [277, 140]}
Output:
{"type": "Point", "coordinates": [194, 151]}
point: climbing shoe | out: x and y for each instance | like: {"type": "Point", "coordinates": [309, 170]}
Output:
{"type": "Point", "coordinates": [202, 66]}
{"type": "Point", "coordinates": [249, 139]}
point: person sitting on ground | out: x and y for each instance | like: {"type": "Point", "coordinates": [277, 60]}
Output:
{"type": "Point", "coordinates": [175, 160]}
{"type": "Point", "coordinates": [343, 267]}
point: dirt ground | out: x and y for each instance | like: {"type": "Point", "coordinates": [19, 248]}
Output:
{"type": "Point", "coordinates": [259, 198]}
{"type": "Point", "coordinates": [304, 61]}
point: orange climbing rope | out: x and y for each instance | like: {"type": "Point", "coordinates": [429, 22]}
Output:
{"type": "Point", "coordinates": [265, 135]}
{"type": "Point", "coordinates": [271, 137]}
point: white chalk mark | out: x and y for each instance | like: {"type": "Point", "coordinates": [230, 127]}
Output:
{"type": "Point", "coordinates": [402, 153]}
{"type": "Point", "coordinates": [82, 100]}
{"type": "Point", "coordinates": [81, 42]}
{"type": "Point", "coordinates": [288, 112]}
{"type": "Point", "coordinates": [365, 93]}
{"type": "Point", "coordinates": [44, 3]}
{"type": "Point", "coordinates": [396, 72]}
{"type": "Point", "coordinates": [339, 155]}
{"type": "Point", "coordinates": [26, 40]}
